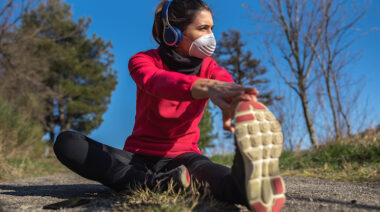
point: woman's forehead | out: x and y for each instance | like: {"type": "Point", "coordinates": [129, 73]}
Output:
{"type": "Point", "coordinates": [203, 17]}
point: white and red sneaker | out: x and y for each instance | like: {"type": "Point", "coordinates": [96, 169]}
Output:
{"type": "Point", "coordinates": [258, 140]}
{"type": "Point", "coordinates": [180, 176]}
{"type": "Point", "coordinates": [184, 177]}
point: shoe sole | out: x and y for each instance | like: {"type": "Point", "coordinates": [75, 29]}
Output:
{"type": "Point", "coordinates": [259, 139]}
{"type": "Point", "coordinates": [185, 177]}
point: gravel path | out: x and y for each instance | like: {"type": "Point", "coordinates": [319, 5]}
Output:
{"type": "Point", "coordinates": [303, 194]}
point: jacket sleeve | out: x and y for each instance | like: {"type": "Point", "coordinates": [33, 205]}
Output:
{"type": "Point", "coordinates": [219, 73]}
{"type": "Point", "coordinates": [159, 82]}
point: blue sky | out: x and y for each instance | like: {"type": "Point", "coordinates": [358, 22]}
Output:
{"type": "Point", "coordinates": [128, 25]}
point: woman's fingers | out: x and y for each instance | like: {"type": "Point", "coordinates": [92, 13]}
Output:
{"type": "Point", "coordinates": [252, 91]}
{"type": "Point", "coordinates": [226, 95]}
{"type": "Point", "coordinates": [237, 99]}
{"type": "Point", "coordinates": [227, 121]}
{"type": "Point", "coordinates": [228, 102]}
{"type": "Point", "coordinates": [221, 103]}
{"type": "Point", "coordinates": [229, 128]}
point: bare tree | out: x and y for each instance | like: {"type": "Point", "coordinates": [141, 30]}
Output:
{"type": "Point", "coordinates": [332, 52]}
{"type": "Point", "coordinates": [21, 70]}
{"type": "Point", "coordinates": [313, 39]}
{"type": "Point", "coordinates": [292, 21]}
{"type": "Point", "coordinates": [11, 12]}
{"type": "Point", "coordinates": [286, 110]}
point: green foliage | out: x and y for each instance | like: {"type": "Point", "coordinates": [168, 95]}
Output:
{"type": "Point", "coordinates": [52, 75]}
{"type": "Point", "coordinates": [80, 74]}
{"type": "Point", "coordinates": [206, 130]}
{"type": "Point", "coordinates": [21, 146]}
{"type": "Point", "coordinates": [32, 166]}
{"type": "Point", "coordinates": [334, 154]}
{"type": "Point", "coordinates": [225, 160]}
{"type": "Point", "coordinates": [18, 131]}
{"type": "Point", "coordinates": [356, 160]}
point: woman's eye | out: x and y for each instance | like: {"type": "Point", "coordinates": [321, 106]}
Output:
{"type": "Point", "coordinates": [203, 28]}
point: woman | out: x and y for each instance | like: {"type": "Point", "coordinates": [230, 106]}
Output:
{"type": "Point", "coordinates": [174, 82]}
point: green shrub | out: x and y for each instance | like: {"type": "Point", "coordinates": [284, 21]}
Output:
{"type": "Point", "coordinates": [18, 131]}
{"type": "Point", "coordinates": [226, 160]}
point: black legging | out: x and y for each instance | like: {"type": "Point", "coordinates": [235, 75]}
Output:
{"type": "Point", "coordinates": [116, 168]}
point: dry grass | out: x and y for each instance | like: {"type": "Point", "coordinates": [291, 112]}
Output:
{"type": "Point", "coordinates": [353, 172]}
{"type": "Point", "coordinates": [21, 148]}
{"type": "Point", "coordinates": [25, 167]}
{"type": "Point", "coordinates": [195, 198]}
{"type": "Point", "coordinates": [29, 163]}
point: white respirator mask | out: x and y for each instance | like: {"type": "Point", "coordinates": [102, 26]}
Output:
{"type": "Point", "coordinates": [203, 47]}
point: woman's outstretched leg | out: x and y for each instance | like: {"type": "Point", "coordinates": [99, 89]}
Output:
{"type": "Point", "coordinates": [96, 161]}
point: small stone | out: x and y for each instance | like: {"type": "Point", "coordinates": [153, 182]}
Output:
{"type": "Point", "coordinates": [311, 199]}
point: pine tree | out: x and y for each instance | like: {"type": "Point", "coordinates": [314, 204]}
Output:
{"type": "Point", "coordinates": [79, 74]}
{"type": "Point", "coordinates": [244, 69]}
{"type": "Point", "coordinates": [206, 130]}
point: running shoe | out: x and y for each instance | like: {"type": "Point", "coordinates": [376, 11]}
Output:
{"type": "Point", "coordinates": [180, 176]}
{"type": "Point", "coordinates": [258, 140]}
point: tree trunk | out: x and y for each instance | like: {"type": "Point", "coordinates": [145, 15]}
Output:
{"type": "Point", "coordinates": [340, 108]}
{"type": "Point", "coordinates": [308, 119]}
{"type": "Point", "coordinates": [62, 121]}
{"type": "Point", "coordinates": [48, 149]}
{"type": "Point", "coordinates": [338, 134]}
{"type": "Point", "coordinates": [52, 136]}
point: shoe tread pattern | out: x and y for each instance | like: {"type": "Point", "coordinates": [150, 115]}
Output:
{"type": "Point", "coordinates": [259, 139]}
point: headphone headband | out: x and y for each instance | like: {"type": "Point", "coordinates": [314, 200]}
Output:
{"type": "Point", "coordinates": [171, 34]}
{"type": "Point", "coordinates": [165, 10]}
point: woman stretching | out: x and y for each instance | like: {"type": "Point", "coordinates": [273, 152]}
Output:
{"type": "Point", "coordinates": [174, 83]}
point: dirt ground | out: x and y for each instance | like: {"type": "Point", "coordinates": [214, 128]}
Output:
{"type": "Point", "coordinates": [303, 194]}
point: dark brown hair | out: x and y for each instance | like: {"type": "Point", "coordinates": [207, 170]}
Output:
{"type": "Point", "coordinates": [181, 13]}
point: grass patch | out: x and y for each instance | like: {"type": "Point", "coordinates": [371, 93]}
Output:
{"type": "Point", "coordinates": [195, 198]}
{"type": "Point", "coordinates": [355, 159]}
{"type": "Point", "coordinates": [225, 160]}
{"type": "Point", "coordinates": [21, 148]}
{"type": "Point", "coordinates": [18, 165]}
{"type": "Point", "coordinates": [18, 130]}
{"type": "Point", "coordinates": [25, 167]}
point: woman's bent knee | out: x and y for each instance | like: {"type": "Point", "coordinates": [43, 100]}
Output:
{"type": "Point", "coordinates": [63, 139]}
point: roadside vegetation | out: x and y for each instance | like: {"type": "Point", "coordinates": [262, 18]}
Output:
{"type": "Point", "coordinates": [53, 77]}
{"type": "Point", "coordinates": [356, 159]}
{"type": "Point", "coordinates": [21, 148]}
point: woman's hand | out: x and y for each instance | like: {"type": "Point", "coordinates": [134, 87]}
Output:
{"type": "Point", "coordinates": [228, 114]}
{"type": "Point", "coordinates": [223, 94]}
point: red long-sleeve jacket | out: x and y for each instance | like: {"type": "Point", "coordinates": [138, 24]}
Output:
{"type": "Point", "coordinates": [167, 117]}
